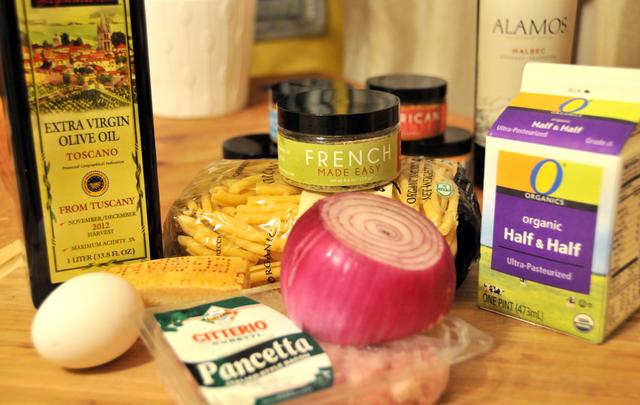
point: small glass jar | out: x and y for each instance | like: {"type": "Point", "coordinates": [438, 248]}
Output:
{"type": "Point", "coordinates": [423, 106]}
{"type": "Point", "coordinates": [251, 146]}
{"type": "Point", "coordinates": [332, 141]}
{"type": "Point", "coordinates": [456, 145]}
{"type": "Point", "coordinates": [290, 87]}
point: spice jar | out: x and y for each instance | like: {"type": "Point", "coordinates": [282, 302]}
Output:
{"type": "Point", "coordinates": [331, 141]}
{"type": "Point", "coordinates": [251, 146]}
{"type": "Point", "coordinates": [290, 87]}
{"type": "Point", "coordinates": [456, 145]}
{"type": "Point", "coordinates": [423, 106]}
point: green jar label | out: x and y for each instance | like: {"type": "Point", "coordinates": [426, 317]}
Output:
{"type": "Point", "coordinates": [341, 164]}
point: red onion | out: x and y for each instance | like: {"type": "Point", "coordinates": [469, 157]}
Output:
{"type": "Point", "coordinates": [362, 269]}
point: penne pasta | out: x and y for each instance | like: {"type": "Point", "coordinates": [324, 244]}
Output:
{"type": "Point", "coordinates": [248, 210]}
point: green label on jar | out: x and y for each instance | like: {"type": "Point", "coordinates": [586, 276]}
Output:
{"type": "Point", "coordinates": [342, 164]}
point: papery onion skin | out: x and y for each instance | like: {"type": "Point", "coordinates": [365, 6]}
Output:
{"type": "Point", "coordinates": [342, 296]}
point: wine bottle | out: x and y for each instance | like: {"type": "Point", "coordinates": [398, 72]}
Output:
{"type": "Point", "coordinates": [77, 95]}
{"type": "Point", "coordinates": [510, 34]}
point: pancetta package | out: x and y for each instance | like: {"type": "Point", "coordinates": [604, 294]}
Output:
{"type": "Point", "coordinates": [243, 349]}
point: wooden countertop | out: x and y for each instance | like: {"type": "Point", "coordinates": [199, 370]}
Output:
{"type": "Point", "coordinates": [528, 364]}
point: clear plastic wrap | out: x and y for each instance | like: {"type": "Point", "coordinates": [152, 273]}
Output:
{"type": "Point", "coordinates": [245, 209]}
{"type": "Point", "coordinates": [410, 370]}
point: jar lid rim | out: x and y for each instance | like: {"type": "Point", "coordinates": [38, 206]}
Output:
{"type": "Point", "coordinates": [410, 87]}
{"type": "Point", "coordinates": [338, 112]}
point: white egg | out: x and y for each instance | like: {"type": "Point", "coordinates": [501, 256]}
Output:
{"type": "Point", "coordinates": [87, 321]}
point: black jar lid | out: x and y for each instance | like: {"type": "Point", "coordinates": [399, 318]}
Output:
{"type": "Point", "coordinates": [455, 141]}
{"type": "Point", "coordinates": [289, 87]}
{"type": "Point", "coordinates": [333, 112]}
{"type": "Point", "coordinates": [252, 146]}
{"type": "Point", "coordinates": [411, 88]}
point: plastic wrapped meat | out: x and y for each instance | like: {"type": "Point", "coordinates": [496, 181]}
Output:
{"type": "Point", "coordinates": [405, 371]}
{"type": "Point", "coordinates": [411, 370]}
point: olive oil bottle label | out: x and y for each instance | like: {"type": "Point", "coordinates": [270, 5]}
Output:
{"type": "Point", "coordinates": [78, 65]}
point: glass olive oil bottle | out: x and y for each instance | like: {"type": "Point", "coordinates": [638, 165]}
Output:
{"type": "Point", "coordinates": [77, 95]}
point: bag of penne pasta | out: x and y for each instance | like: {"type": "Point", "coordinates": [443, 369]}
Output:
{"type": "Point", "coordinates": [245, 209]}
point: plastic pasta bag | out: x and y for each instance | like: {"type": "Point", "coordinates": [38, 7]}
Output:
{"type": "Point", "coordinates": [246, 209]}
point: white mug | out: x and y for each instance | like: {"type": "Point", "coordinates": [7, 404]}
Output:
{"type": "Point", "coordinates": [199, 55]}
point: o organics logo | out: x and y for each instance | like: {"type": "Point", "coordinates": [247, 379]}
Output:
{"type": "Point", "coordinates": [219, 315]}
{"type": "Point", "coordinates": [95, 183]}
{"type": "Point", "coordinates": [574, 105]}
{"type": "Point", "coordinates": [554, 172]}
